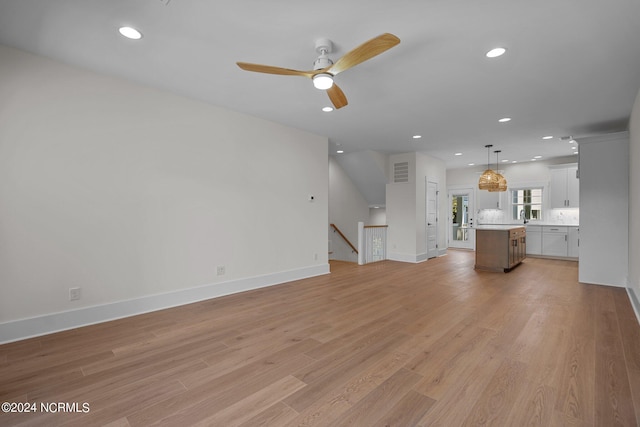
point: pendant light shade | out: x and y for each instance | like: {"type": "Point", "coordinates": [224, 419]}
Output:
{"type": "Point", "coordinates": [502, 182]}
{"type": "Point", "coordinates": [489, 179]}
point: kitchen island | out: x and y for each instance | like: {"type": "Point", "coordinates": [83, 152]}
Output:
{"type": "Point", "coordinates": [500, 247]}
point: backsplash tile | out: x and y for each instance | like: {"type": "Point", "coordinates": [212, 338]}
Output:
{"type": "Point", "coordinates": [551, 216]}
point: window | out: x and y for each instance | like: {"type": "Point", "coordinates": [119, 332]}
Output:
{"type": "Point", "coordinates": [526, 203]}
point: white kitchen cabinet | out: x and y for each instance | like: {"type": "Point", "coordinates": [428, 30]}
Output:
{"type": "Point", "coordinates": [573, 242]}
{"type": "Point", "coordinates": [564, 187]}
{"type": "Point", "coordinates": [488, 199]}
{"type": "Point", "coordinates": [534, 240]}
{"type": "Point", "coordinates": [554, 241]}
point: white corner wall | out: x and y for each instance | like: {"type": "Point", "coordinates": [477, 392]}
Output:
{"type": "Point", "coordinates": [429, 168]}
{"type": "Point", "coordinates": [347, 207]}
{"type": "Point", "coordinates": [401, 212]}
{"type": "Point", "coordinates": [604, 209]}
{"type": "Point", "coordinates": [634, 206]}
{"type": "Point", "coordinates": [138, 195]}
{"type": "Point", "coordinates": [406, 207]}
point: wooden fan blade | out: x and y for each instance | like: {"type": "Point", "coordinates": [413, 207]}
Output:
{"type": "Point", "coordinates": [337, 97]}
{"type": "Point", "coordinates": [274, 70]}
{"type": "Point", "coordinates": [365, 51]}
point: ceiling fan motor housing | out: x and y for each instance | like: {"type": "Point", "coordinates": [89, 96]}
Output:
{"type": "Point", "coordinates": [323, 47]}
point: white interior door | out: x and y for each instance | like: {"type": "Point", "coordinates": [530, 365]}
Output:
{"type": "Point", "coordinates": [432, 219]}
{"type": "Point", "coordinates": [461, 233]}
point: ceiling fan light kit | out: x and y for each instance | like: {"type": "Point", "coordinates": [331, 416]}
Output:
{"type": "Point", "coordinates": [323, 81]}
{"type": "Point", "coordinates": [325, 69]}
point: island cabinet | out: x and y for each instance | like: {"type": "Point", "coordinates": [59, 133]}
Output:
{"type": "Point", "coordinates": [500, 248]}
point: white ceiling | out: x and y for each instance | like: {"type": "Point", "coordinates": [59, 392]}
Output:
{"type": "Point", "coordinates": [572, 67]}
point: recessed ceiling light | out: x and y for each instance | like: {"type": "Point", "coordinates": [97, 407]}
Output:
{"type": "Point", "coordinates": [575, 152]}
{"type": "Point", "coordinates": [515, 161]}
{"type": "Point", "coordinates": [505, 160]}
{"type": "Point", "coordinates": [574, 148]}
{"type": "Point", "coordinates": [417, 136]}
{"type": "Point", "coordinates": [533, 160]}
{"type": "Point", "coordinates": [376, 207]}
{"type": "Point", "coordinates": [471, 164]}
{"type": "Point", "coordinates": [547, 137]}
{"type": "Point", "coordinates": [340, 151]}
{"type": "Point", "coordinates": [505, 119]}
{"type": "Point", "coordinates": [327, 109]}
{"type": "Point", "coordinates": [458, 154]}
{"type": "Point", "coordinates": [494, 53]}
{"type": "Point", "coordinates": [130, 33]}
{"type": "Point", "coordinates": [537, 157]}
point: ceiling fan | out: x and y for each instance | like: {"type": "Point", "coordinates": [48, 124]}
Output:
{"type": "Point", "coordinates": [324, 69]}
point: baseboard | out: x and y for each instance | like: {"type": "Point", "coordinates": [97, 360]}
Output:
{"type": "Point", "coordinates": [635, 302]}
{"type": "Point", "coordinates": [42, 325]}
{"type": "Point", "coordinates": [396, 256]}
{"type": "Point", "coordinates": [414, 259]}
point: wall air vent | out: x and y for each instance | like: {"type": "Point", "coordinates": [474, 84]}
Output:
{"type": "Point", "coordinates": [401, 172]}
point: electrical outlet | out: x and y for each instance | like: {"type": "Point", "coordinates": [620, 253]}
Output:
{"type": "Point", "coordinates": [75, 294]}
{"type": "Point", "coordinates": [221, 270]}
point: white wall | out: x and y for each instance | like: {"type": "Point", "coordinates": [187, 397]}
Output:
{"type": "Point", "coordinates": [347, 207]}
{"type": "Point", "coordinates": [406, 207]}
{"type": "Point", "coordinates": [634, 205]}
{"type": "Point", "coordinates": [401, 212]}
{"type": "Point", "coordinates": [135, 194]}
{"type": "Point", "coordinates": [604, 209]}
{"type": "Point", "coordinates": [377, 216]}
{"type": "Point", "coordinates": [432, 169]}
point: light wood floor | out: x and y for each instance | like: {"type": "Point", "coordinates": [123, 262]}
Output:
{"type": "Point", "coordinates": [431, 344]}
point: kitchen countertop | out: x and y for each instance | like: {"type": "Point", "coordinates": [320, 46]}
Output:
{"type": "Point", "coordinates": [539, 224]}
{"type": "Point", "coordinates": [547, 224]}
{"type": "Point", "coordinates": [499, 226]}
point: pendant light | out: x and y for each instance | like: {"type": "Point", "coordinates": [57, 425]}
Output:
{"type": "Point", "coordinates": [489, 179]}
{"type": "Point", "coordinates": [502, 182]}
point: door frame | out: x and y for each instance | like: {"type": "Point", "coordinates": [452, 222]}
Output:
{"type": "Point", "coordinates": [434, 226]}
{"type": "Point", "coordinates": [470, 193]}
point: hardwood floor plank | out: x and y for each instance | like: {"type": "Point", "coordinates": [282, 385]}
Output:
{"type": "Point", "coordinates": [615, 406]}
{"type": "Point", "coordinates": [352, 350]}
{"type": "Point", "coordinates": [496, 402]}
{"type": "Point", "coordinates": [276, 415]}
{"type": "Point", "coordinates": [249, 407]}
{"type": "Point", "coordinates": [576, 383]}
{"type": "Point", "coordinates": [326, 409]}
{"type": "Point", "coordinates": [407, 411]}
{"type": "Point", "coordinates": [534, 406]}
{"type": "Point", "coordinates": [630, 336]}
{"type": "Point", "coordinates": [429, 344]}
{"type": "Point", "coordinates": [381, 401]}
{"type": "Point", "coordinates": [210, 398]}
{"type": "Point", "coordinates": [341, 372]}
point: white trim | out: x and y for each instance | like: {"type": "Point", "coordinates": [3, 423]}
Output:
{"type": "Point", "coordinates": [32, 327]}
{"type": "Point", "coordinates": [396, 256]}
{"type": "Point", "coordinates": [635, 302]}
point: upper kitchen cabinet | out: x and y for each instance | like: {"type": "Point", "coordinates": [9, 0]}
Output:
{"type": "Point", "coordinates": [488, 199]}
{"type": "Point", "coordinates": [564, 186]}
